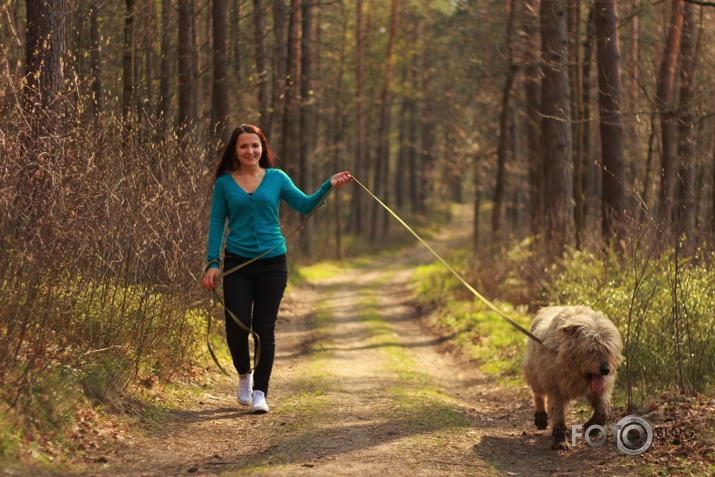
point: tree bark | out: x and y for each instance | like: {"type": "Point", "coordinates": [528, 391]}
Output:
{"type": "Point", "coordinates": [686, 129]}
{"type": "Point", "coordinates": [219, 94]}
{"type": "Point", "coordinates": [291, 119]}
{"type": "Point", "coordinates": [187, 110]}
{"type": "Point", "coordinates": [280, 70]}
{"type": "Point", "coordinates": [128, 115]}
{"type": "Point", "coordinates": [382, 171]}
{"type": "Point", "coordinates": [556, 110]}
{"type": "Point", "coordinates": [502, 148]}
{"type": "Point", "coordinates": [664, 100]}
{"type": "Point", "coordinates": [578, 126]}
{"type": "Point", "coordinates": [165, 66]}
{"type": "Point", "coordinates": [95, 61]}
{"type": "Point", "coordinates": [533, 118]}
{"type": "Point", "coordinates": [259, 24]}
{"type": "Point", "coordinates": [236, 46]}
{"type": "Point", "coordinates": [357, 219]}
{"type": "Point", "coordinates": [45, 44]}
{"type": "Point", "coordinates": [613, 203]}
{"type": "Point", "coordinates": [306, 116]}
{"type": "Point", "coordinates": [592, 159]}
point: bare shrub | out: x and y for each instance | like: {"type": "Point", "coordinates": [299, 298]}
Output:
{"type": "Point", "coordinates": [102, 234]}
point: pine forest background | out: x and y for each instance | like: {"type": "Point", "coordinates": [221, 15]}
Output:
{"type": "Point", "coordinates": [581, 131]}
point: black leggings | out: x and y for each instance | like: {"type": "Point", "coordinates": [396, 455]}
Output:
{"type": "Point", "coordinates": [255, 289]}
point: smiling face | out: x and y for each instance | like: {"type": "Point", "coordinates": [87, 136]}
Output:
{"type": "Point", "coordinates": [248, 150]}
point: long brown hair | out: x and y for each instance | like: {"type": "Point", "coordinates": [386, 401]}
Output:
{"type": "Point", "coordinates": [228, 158]}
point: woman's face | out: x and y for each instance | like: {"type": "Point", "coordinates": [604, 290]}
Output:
{"type": "Point", "coordinates": [248, 149]}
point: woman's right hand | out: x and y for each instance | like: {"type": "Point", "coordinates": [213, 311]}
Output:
{"type": "Point", "coordinates": [209, 281]}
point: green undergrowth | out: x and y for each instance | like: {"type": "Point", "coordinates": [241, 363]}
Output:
{"type": "Point", "coordinates": [661, 302]}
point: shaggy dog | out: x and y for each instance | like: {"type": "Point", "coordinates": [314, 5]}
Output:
{"type": "Point", "coordinates": [579, 357]}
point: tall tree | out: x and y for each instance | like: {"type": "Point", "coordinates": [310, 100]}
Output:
{"type": "Point", "coordinates": [219, 93]}
{"type": "Point", "coordinates": [259, 25]}
{"type": "Point", "coordinates": [306, 115]}
{"type": "Point", "coordinates": [686, 129]}
{"type": "Point", "coordinates": [533, 118]}
{"type": "Point", "coordinates": [664, 100]}
{"type": "Point", "coordinates": [291, 118]}
{"type": "Point", "coordinates": [360, 166]}
{"type": "Point", "coordinates": [45, 44]}
{"type": "Point", "coordinates": [556, 111]}
{"type": "Point", "coordinates": [382, 163]}
{"type": "Point", "coordinates": [613, 203]}
{"type": "Point", "coordinates": [280, 70]}
{"type": "Point", "coordinates": [236, 46]}
{"type": "Point", "coordinates": [95, 60]}
{"type": "Point", "coordinates": [187, 87]}
{"type": "Point", "coordinates": [165, 65]}
{"type": "Point", "coordinates": [128, 68]}
{"type": "Point", "coordinates": [504, 119]}
{"type": "Point", "coordinates": [578, 126]}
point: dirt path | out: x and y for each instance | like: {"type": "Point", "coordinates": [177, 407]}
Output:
{"type": "Point", "coordinates": [360, 387]}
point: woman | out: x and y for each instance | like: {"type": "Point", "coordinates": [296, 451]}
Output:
{"type": "Point", "coordinates": [247, 192]}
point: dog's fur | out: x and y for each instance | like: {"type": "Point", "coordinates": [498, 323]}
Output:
{"type": "Point", "coordinates": [579, 357]}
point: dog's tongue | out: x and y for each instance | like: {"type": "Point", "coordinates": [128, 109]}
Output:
{"type": "Point", "coordinates": [597, 384]}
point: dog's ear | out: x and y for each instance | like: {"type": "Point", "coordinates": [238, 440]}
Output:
{"type": "Point", "coordinates": [571, 329]}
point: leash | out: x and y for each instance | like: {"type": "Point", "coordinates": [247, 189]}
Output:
{"type": "Point", "coordinates": [489, 304]}
{"type": "Point", "coordinates": [217, 297]}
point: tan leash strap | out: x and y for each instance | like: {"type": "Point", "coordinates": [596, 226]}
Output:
{"type": "Point", "coordinates": [459, 277]}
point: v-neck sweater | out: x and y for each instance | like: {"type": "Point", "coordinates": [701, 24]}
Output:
{"type": "Point", "coordinates": [253, 220]}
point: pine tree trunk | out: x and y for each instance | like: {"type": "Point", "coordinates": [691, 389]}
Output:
{"type": "Point", "coordinates": [95, 61]}
{"type": "Point", "coordinates": [686, 128]}
{"type": "Point", "coordinates": [306, 117]}
{"type": "Point", "coordinates": [556, 110]}
{"type": "Point", "coordinates": [502, 149]}
{"type": "Point", "coordinates": [45, 44]}
{"type": "Point", "coordinates": [280, 70]}
{"type": "Point", "coordinates": [187, 88]}
{"type": "Point", "coordinates": [356, 214]}
{"type": "Point", "coordinates": [379, 215]}
{"type": "Point", "coordinates": [128, 115]}
{"type": "Point", "coordinates": [664, 101]}
{"type": "Point", "coordinates": [533, 118]}
{"type": "Point", "coordinates": [259, 24]}
{"type": "Point", "coordinates": [219, 94]}
{"type": "Point", "coordinates": [613, 203]}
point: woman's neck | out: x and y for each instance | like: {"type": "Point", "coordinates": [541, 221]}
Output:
{"type": "Point", "coordinates": [248, 171]}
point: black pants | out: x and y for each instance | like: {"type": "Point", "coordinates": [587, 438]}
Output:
{"type": "Point", "coordinates": [254, 291]}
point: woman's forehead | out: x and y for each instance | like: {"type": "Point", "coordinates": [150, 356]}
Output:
{"type": "Point", "coordinates": [248, 138]}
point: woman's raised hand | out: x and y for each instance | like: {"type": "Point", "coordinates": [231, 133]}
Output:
{"type": "Point", "coordinates": [340, 179]}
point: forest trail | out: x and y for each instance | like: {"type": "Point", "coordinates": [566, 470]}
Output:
{"type": "Point", "coordinates": [360, 387]}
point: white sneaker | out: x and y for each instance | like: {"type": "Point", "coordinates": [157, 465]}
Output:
{"type": "Point", "coordinates": [259, 403]}
{"type": "Point", "coordinates": [245, 389]}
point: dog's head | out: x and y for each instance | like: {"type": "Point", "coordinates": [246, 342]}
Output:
{"type": "Point", "coordinates": [593, 345]}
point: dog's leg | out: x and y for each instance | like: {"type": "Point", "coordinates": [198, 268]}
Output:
{"type": "Point", "coordinates": [541, 418]}
{"type": "Point", "coordinates": [600, 404]}
{"type": "Point", "coordinates": [559, 409]}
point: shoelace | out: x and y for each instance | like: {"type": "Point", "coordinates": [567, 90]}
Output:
{"type": "Point", "coordinates": [244, 385]}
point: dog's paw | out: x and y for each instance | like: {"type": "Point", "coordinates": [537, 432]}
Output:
{"type": "Point", "coordinates": [541, 419]}
{"type": "Point", "coordinates": [559, 445]}
{"type": "Point", "coordinates": [559, 442]}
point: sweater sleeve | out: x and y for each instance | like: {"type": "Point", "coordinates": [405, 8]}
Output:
{"type": "Point", "coordinates": [217, 224]}
{"type": "Point", "coordinates": [299, 201]}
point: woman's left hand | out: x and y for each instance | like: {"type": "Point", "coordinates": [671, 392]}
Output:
{"type": "Point", "coordinates": [340, 179]}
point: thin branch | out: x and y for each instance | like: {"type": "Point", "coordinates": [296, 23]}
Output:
{"type": "Point", "coordinates": [701, 3]}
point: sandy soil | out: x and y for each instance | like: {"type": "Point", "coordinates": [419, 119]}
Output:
{"type": "Point", "coordinates": [357, 396]}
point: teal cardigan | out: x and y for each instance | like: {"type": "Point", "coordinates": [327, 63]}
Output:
{"type": "Point", "coordinates": [253, 225]}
